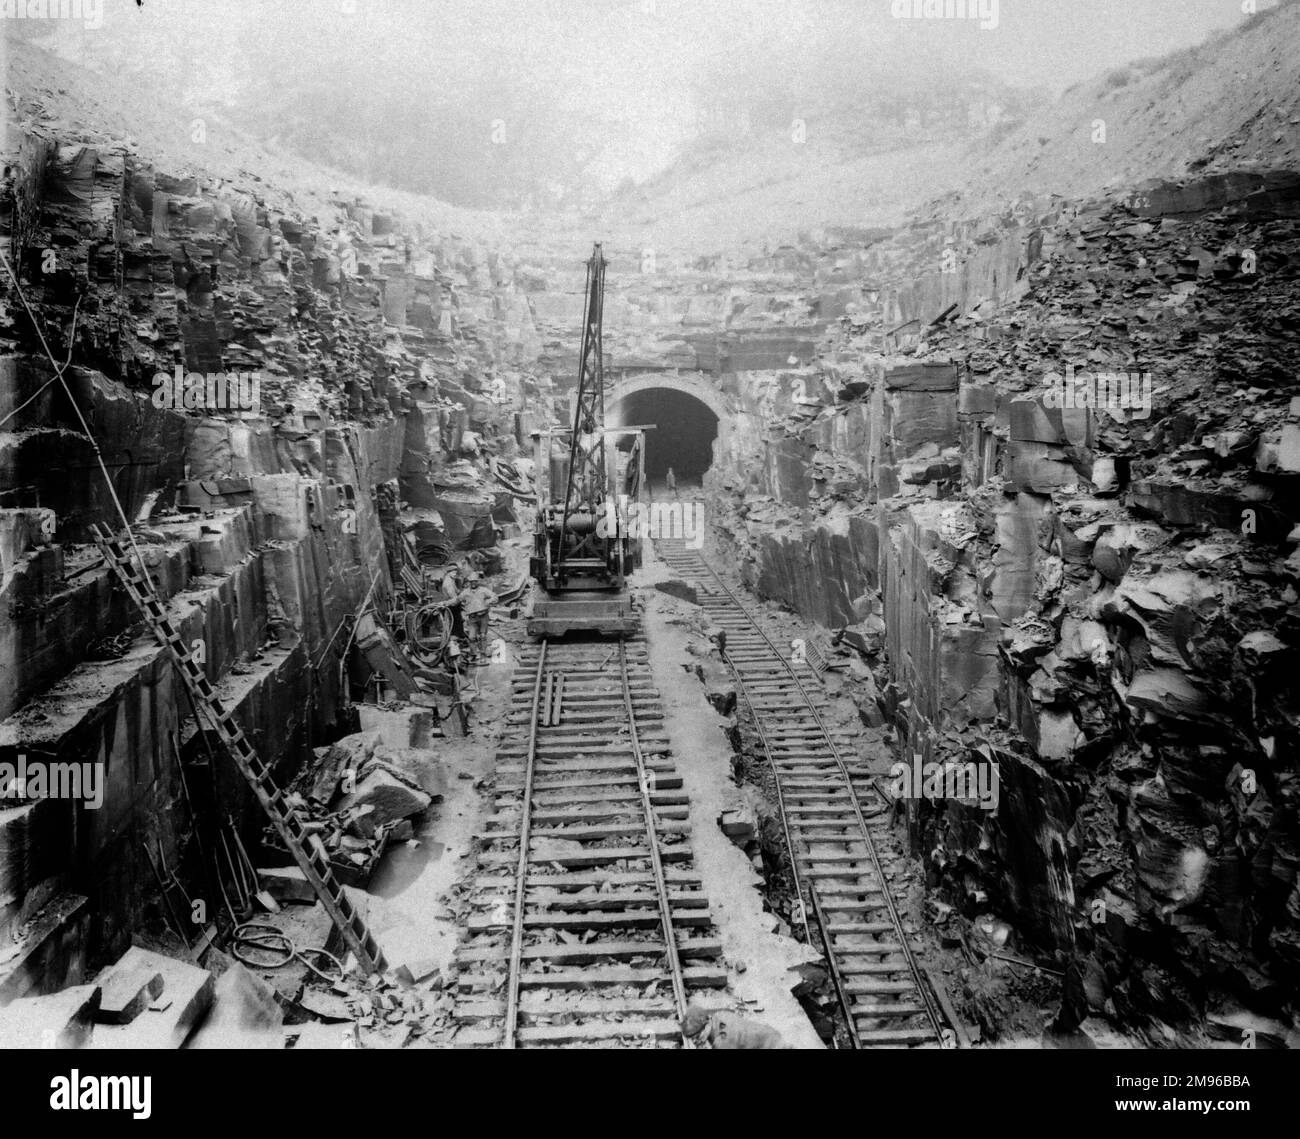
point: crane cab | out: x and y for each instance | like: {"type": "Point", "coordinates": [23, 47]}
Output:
{"type": "Point", "coordinates": [585, 549]}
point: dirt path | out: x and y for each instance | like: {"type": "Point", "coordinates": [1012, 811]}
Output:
{"type": "Point", "coordinates": [420, 920]}
{"type": "Point", "coordinates": [703, 753]}
{"type": "Point", "coordinates": [420, 914]}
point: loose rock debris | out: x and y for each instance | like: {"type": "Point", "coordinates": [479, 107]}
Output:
{"type": "Point", "coordinates": [1011, 481]}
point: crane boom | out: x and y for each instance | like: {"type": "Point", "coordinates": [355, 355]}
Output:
{"type": "Point", "coordinates": [586, 439]}
{"type": "Point", "coordinates": [582, 549]}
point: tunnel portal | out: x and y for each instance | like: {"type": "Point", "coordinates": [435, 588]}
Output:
{"type": "Point", "coordinates": [684, 430]}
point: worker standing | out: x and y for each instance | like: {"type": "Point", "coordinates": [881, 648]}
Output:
{"type": "Point", "coordinates": [450, 588]}
{"type": "Point", "coordinates": [476, 602]}
{"type": "Point", "coordinates": [670, 480]}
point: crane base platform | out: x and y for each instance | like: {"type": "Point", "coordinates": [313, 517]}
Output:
{"type": "Point", "coordinates": [583, 611]}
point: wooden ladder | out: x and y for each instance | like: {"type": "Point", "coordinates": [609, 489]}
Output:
{"type": "Point", "coordinates": [311, 856]}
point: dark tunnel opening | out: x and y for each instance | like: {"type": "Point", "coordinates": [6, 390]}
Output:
{"type": "Point", "coordinates": [684, 430]}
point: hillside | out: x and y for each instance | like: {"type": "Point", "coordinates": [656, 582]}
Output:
{"type": "Point", "coordinates": [753, 173]}
{"type": "Point", "coordinates": [67, 99]}
{"type": "Point", "coordinates": [1232, 103]}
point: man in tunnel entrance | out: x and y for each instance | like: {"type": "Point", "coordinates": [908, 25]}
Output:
{"type": "Point", "coordinates": [670, 481]}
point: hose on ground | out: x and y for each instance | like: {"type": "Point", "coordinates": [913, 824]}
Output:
{"type": "Point", "coordinates": [428, 628]}
{"type": "Point", "coordinates": [265, 938]}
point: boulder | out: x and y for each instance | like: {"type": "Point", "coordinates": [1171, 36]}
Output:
{"type": "Point", "coordinates": [1119, 545]}
{"type": "Point", "coordinates": [58, 1020]}
{"type": "Point", "coordinates": [679, 589]}
{"type": "Point", "coordinates": [739, 824]}
{"type": "Point", "coordinates": [186, 996]}
{"type": "Point", "coordinates": [244, 1013]}
{"type": "Point", "coordinates": [866, 637]}
{"type": "Point", "coordinates": [287, 884]}
{"type": "Point", "coordinates": [719, 686]}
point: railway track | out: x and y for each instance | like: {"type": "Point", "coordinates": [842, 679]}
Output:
{"type": "Point", "coordinates": [588, 924]}
{"type": "Point", "coordinates": [835, 823]}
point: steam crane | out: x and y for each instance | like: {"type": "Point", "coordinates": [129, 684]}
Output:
{"type": "Point", "coordinates": [583, 550]}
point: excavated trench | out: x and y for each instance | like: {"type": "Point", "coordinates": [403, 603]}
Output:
{"type": "Point", "coordinates": [1097, 603]}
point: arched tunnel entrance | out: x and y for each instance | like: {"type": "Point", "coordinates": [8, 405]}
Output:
{"type": "Point", "coordinates": [684, 430]}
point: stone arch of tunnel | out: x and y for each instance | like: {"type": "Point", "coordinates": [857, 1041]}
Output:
{"type": "Point", "coordinates": [688, 417]}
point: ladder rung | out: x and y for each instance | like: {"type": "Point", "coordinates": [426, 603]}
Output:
{"type": "Point", "coordinates": [311, 853]}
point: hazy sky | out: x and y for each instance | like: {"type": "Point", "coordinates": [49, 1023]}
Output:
{"type": "Point", "coordinates": [1054, 42]}
{"type": "Point", "coordinates": [1058, 42]}
{"type": "Point", "coordinates": [463, 98]}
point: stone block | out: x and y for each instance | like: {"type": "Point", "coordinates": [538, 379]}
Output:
{"type": "Point", "coordinates": [922, 378]}
{"type": "Point", "coordinates": [244, 1013]}
{"type": "Point", "coordinates": [287, 884]}
{"type": "Point", "coordinates": [187, 996]}
{"type": "Point", "coordinates": [1016, 556]}
{"type": "Point", "coordinates": [977, 399]}
{"type": "Point", "coordinates": [1031, 422]}
{"type": "Point", "coordinates": [739, 824]}
{"type": "Point", "coordinates": [1288, 453]}
{"type": "Point", "coordinates": [390, 797]}
{"type": "Point", "coordinates": [1167, 693]}
{"type": "Point", "coordinates": [678, 589]}
{"type": "Point", "coordinates": [129, 987]}
{"type": "Point", "coordinates": [1039, 467]}
{"type": "Point", "coordinates": [60, 1020]}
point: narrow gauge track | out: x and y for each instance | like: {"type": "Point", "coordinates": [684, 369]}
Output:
{"type": "Point", "coordinates": [588, 924]}
{"type": "Point", "coordinates": [830, 808]}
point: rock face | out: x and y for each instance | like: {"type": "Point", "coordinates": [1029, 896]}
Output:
{"type": "Point", "coordinates": [1056, 458]}
{"type": "Point", "coordinates": [379, 349]}
{"type": "Point", "coordinates": [1040, 468]}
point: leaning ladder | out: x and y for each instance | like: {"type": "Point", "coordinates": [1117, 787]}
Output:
{"type": "Point", "coordinates": [311, 856]}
